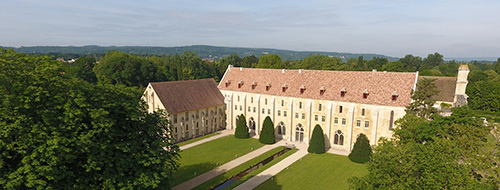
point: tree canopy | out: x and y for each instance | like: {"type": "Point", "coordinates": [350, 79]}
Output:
{"type": "Point", "coordinates": [423, 100]}
{"type": "Point", "coordinates": [362, 151]}
{"type": "Point", "coordinates": [61, 132]}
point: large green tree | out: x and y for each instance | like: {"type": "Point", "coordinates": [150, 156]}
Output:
{"type": "Point", "coordinates": [317, 143]}
{"type": "Point", "coordinates": [444, 153]}
{"type": "Point", "coordinates": [423, 100]}
{"type": "Point", "coordinates": [60, 132]}
{"type": "Point", "coordinates": [362, 150]}
{"type": "Point", "coordinates": [267, 133]}
{"type": "Point", "coordinates": [241, 130]}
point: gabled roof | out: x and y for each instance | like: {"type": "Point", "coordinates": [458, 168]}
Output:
{"type": "Point", "coordinates": [181, 96]}
{"type": "Point", "coordinates": [380, 85]}
{"type": "Point", "coordinates": [446, 87]}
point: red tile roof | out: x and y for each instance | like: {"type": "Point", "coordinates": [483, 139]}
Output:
{"type": "Point", "coordinates": [379, 85]}
{"type": "Point", "coordinates": [181, 96]}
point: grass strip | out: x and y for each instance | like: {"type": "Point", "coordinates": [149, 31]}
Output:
{"type": "Point", "coordinates": [207, 156]}
{"type": "Point", "coordinates": [261, 169]}
{"type": "Point", "coordinates": [214, 182]}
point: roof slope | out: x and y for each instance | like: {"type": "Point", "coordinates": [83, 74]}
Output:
{"type": "Point", "coordinates": [446, 87]}
{"type": "Point", "coordinates": [181, 96]}
{"type": "Point", "coordinates": [380, 85]}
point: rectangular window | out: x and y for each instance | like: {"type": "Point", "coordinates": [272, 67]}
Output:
{"type": "Point", "coordinates": [175, 119]}
{"type": "Point", "coordinates": [279, 113]}
{"type": "Point", "coordinates": [249, 108]}
{"type": "Point", "coordinates": [367, 124]}
{"type": "Point", "coordinates": [284, 113]}
{"type": "Point", "coordinates": [187, 116]}
{"type": "Point", "coordinates": [197, 114]}
{"type": "Point", "coordinates": [303, 116]}
{"type": "Point", "coordinates": [235, 107]}
{"type": "Point", "coordinates": [282, 103]}
{"type": "Point", "coordinates": [241, 108]}
{"type": "Point", "coordinates": [358, 123]}
{"type": "Point", "coordinates": [238, 98]}
{"type": "Point", "coordinates": [343, 121]}
{"type": "Point", "coordinates": [251, 99]}
{"type": "Point", "coordinates": [323, 119]}
{"type": "Point", "coordinates": [265, 101]}
{"type": "Point", "coordinates": [296, 115]}
{"type": "Point", "coordinates": [254, 109]}
{"type": "Point", "coordinates": [319, 107]}
{"type": "Point", "coordinates": [269, 111]}
{"type": "Point", "coordinates": [315, 117]}
{"type": "Point", "coordinates": [336, 120]}
{"type": "Point", "coordinates": [263, 111]}
{"type": "Point", "coordinates": [340, 109]}
{"type": "Point", "coordinates": [300, 105]}
{"type": "Point", "coordinates": [363, 112]}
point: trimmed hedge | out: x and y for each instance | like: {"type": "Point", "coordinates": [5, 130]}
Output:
{"type": "Point", "coordinates": [267, 133]}
{"type": "Point", "coordinates": [241, 128]}
{"type": "Point", "coordinates": [317, 143]}
{"type": "Point", "coordinates": [362, 150]}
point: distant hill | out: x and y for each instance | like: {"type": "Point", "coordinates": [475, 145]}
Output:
{"type": "Point", "coordinates": [204, 51]}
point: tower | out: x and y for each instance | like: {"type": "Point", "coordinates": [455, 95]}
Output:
{"type": "Point", "coordinates": [460, 96]}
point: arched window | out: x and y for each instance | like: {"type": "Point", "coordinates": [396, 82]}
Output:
{"type": "Point", "coordinates": [281, 128]}
{"type": "Point", "coordinates": [299, 133]}
{"type": "Point", "coordinates": [391, 122]}
{"type": "Point", "coordinates": [251, 123]}
{"type": "Point", "coordinates": [338, 138]}
{"type": "Point", "coordinates": [237, 119]}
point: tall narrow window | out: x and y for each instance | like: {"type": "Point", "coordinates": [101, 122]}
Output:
{"type": "Point", "coordinates": [338, 138]}
{"type": "Point", "coordinates": [336, 120]}
{"type": "Point", "coordinates": [279, 113]}
{"type": "Point", "coordinates": [284, 113]}
{"type": "Point", "coordinates": [343, 121]}
{"type": "Point", "coordinates": [322, 118]}
{"type": "Point", "coordinates": [300, 105]}
{"type": "Point", "coordinates": [251, 99]}
{"type": "Point", "coordinates": [391, 122]}
{"type": "Point", "coordinates": [358, 123]}
{"type": "Point", "coordinates": [238, 98]}
{"type": "Point", "coordinates": [303, 116]}
{"type": "Point", "coordinates": [315, 117]}
{"type": "Point", "coordinates": [265, 101]}
{"type": "Point", "coordinates": [282, 103]}
{"type": "Point", "coordinates": [367, 124]}
{"type": "Point", "coordinates": [363, 112]}
{"type": "Point", "coordinates": [340, 109]}
{"type": "Point", "coordinates": [319, 107]}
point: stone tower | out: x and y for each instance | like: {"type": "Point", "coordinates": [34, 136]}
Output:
{"type": "Point", "coordinates": [460, 96]}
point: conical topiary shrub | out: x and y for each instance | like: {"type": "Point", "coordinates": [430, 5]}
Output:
{"type": "Point", "coordinates": [267, 133]}
{"type": "Point", "coordinates": [362, 151]}
{"type": "Point", "coordinates": [317, 143]}
{"type": "Point", "coordinates": [241, 128]}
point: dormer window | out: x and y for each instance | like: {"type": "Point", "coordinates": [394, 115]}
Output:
{"type": "Point", "coordinates": [228, 83]}
{"type": "Point", "coordinates": [268, 86]}
{"type": "Point", "coordinates": [365, 94]}
{"type": "Point", "coordinates": [394, 96]}
{"type": "Point", "coordinates": [302, 89]}
{"type": "Point", "coordinates": [342, 92]}
{"type": "Point", "coordinates": [254, 84]}
{"type": "Point", "coordinates": [240, 84]}
{"type": "Point", "coordinates": [322, 90]}
{"type": "Point", "coordinates": [284, 87]}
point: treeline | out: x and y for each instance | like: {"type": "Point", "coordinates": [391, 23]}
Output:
{"type": "Point", "coordinates": [133, 70]}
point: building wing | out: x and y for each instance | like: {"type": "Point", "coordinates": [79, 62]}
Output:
{"type": "Point", "coordinates": [446, 87]}
{"type": "Point", "coordinates": [182, 96]}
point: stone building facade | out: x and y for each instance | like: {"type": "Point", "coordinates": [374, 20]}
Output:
{"type": "Point", "coordinates": [344, 103]}
{"type": "Point", "coordinates": [195, 107]}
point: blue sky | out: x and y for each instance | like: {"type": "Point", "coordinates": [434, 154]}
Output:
{"type": "Point", "coordinates": [454, 28]}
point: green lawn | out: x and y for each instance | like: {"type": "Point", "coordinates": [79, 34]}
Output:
{"type": "Point", "coordinates": [317, 171]}
{"type": "Point", "coordinates": [196, 139]}
{"type": "Point", "coordinates": [221, 178]}
{"type": "Point", "coordinates": [204, 157]}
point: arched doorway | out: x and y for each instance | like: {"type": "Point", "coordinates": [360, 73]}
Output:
{"type": "Point", "coordinates": [299, 133]}
{"type": "Point", "coordinates": [280, 130]}
{"type": "Point", "coordinates": [251, 125]}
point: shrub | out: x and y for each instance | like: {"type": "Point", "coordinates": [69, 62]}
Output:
{"type": "Point", "coordinates": [362, 150]}
{"type": "Point", "coordinates": [241, 128]}
{"type": "Point", "coordinates": [267, 133]}
{"type": "Point", "coordinates": [317, 143]}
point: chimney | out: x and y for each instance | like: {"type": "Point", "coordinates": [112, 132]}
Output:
{"type": "Point", "coordinates": [300, 71]}
{"type": "Point", "coordinates": [374, 70]}
{"type": "Point", "coordinates": [283, 71]}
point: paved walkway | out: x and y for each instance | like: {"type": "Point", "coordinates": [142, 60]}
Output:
{"type": "Point", "coordinates": [223, 133]}
{"type": "Point", "coordinates": [275, 169]}
{"type": "Point", "coordinates": [226, 167]}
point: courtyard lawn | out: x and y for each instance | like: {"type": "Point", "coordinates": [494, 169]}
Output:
{"type": "Point", "coordinates": [210, 184]}
{"type": "Point", "coordinates": [209, 155]}
{"type": "Point", "coordinates": [317, 171]}
{"type": "Point", "coordinates": [197, 139]}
